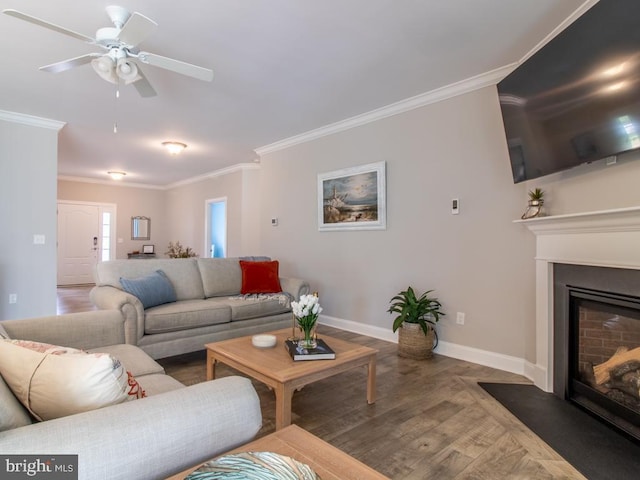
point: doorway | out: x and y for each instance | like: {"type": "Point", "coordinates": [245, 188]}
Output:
{"type": "Point", "coordinates": [86, 236]}
{"type": "Point", "coordinates": [216, 228]}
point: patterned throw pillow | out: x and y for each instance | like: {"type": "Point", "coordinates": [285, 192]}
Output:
{"type": "Point", "coordinates": [53, 381]}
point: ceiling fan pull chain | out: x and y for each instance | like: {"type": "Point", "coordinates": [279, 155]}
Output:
{"type": "Point", "coordinates": [115, 107]}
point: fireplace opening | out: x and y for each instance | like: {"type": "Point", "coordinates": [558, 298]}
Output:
{"type": "Point", "coordinates": [604, 356]}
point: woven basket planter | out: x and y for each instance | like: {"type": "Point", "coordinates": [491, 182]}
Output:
{"type": "Point", "coordinates": [413, 343]}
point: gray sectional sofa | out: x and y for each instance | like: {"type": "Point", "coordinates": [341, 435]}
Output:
{"type": "Point", "coordinates": [174, 428]}
{"type": "Point", "coordinates": [208, 307]}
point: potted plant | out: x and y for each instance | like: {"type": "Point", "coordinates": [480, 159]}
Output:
{"type": "Point", "coordinates": [536, 197]}
{"type": "Point", "coordinates": [534, 208]}
{"type": "Point", "coordinates": [176, 250]}
{"type": "Point", "coordinates": [415, 323]}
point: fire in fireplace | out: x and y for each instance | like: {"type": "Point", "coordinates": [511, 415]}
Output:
{"type": "Point", "coordinates": [604, 356]}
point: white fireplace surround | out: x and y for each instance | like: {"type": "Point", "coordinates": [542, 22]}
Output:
{"type": "Point", "coordinates": [607, 238]}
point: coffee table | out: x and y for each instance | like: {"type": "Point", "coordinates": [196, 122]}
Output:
{"type": "Point", "coordinates": [275, 368]}
{"type": "Point", "coordinates": [326, 460]}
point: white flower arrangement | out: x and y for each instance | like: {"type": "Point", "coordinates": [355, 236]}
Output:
{"type": "Point", "coordinates": [306, 310]}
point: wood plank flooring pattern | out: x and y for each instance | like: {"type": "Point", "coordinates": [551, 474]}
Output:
{"type": "Point", "coordinates": [430, 421]}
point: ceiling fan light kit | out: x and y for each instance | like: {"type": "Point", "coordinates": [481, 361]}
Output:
{"type": "Point", "coordinates": [174, 148]}
{"type": "Point", "coordinates": [120, 41]}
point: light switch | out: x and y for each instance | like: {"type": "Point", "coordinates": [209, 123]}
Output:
{"type": "Point", "coordinates": [38, 239]}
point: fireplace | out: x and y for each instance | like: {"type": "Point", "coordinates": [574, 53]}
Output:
{"type": "Point", "coordinates": [596, 329]}
{"type": "Point", "coordinates": [590, 251]}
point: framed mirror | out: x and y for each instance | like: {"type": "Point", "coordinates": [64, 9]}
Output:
{"type": "Point", "coordinates": [140, 228]}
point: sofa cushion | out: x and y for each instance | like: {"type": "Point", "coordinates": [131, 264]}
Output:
{"type": "Point", "coordinates": [184, 315]}
{"type": "Point", "coordinates": [220, 276]}
{"type": "Point", "coordinates": [260, 277]}
{"type": "Point", "coordinates": [255, 306]}
{"type": "Point", "coordinates": [182, 272]}
{"type": "Point", "coordinates": [53, 381]}
{"type": "Point", "coordinates": [3, 332]}
{"type": "Point", "coordinates": [133, 358]}
{"type": "Point", "coordinates": [12, 412]}
{"type": "Point", "coordinates": [152, 290]}
{"type": "Point", "coordinates": [159, 383]}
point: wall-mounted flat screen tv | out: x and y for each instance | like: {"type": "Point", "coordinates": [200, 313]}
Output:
{"type": "Point", "coordinates": [577, 99]}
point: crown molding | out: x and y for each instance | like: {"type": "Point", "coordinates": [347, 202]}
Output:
{"type": "Point", "coordinates": [30, 120]}
{"type": "Point", "coordinates": [217, 173]}
{"type": "Point", "coordinates": [433, 96]}
{"type": "Point", "coordinates": [188, 181]}
{"type": "Point", "coordinates": [110, 183]}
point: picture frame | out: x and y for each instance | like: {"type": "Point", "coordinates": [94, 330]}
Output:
{"type": "Point", "coordinates": [148, 249]}
{"type": "Point", "coordinates": [353, 198]}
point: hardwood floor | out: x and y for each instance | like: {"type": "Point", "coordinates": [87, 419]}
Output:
{"type": "Point", "coordinates": [430, 420]}
{"type": "Point", "coordinates": [74, 299]}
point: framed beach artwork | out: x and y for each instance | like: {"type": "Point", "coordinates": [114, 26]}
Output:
{"type": "Point", "coordinates": [353, 198]}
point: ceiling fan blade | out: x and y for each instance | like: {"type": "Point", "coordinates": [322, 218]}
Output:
{"type": "Point", "coordinates": [70, 63]}
{"type": "Point", "coordinates": [176, 66]}
{"type": "Point", "coordinates": [50, 26]}
{"type": "Point", "coordinates": [137, 28]}
{"type": "Point", "coordinates": [143, 86]}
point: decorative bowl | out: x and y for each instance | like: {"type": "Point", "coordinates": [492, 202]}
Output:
{"type": "Point", "coordinates": [263, 341]}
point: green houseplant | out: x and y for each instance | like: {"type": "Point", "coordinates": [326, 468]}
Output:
{"type": "Point", "coordinates": [417, 316]}
{"type": "Point", "coordinates": [536, 197]}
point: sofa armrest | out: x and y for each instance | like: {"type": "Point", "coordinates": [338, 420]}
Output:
{"type": "Point", "coordinates": [77, 330]}
{"type": "Point", "coordinates": [151, 438]}
{"type": "Point", "coordinates": [295, 287]}
{"type": "Point", "coordinates": [106, 297]}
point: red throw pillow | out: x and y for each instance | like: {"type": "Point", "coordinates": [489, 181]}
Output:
{"type": "Point", "coordinates": [260, 277]}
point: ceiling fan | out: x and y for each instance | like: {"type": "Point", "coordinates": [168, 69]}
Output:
{"type": "Point", "coordinates": [120, 62]}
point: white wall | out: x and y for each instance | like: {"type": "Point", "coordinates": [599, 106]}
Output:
{"type": "Point", "coordinates": [28, 169]}
{"type": "Point", "coordinates": [478, 262]}
{"type": "Point", "coordinates": [593, 187]}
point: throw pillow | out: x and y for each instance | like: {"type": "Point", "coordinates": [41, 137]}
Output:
{"type": "Point", "coordinates": [152, 290]}
{"type": "Point", "coordinates": [52, 381]}
{"type": "Point", "coordinates": [260, 277]}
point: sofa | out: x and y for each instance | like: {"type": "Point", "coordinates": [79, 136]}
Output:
{"type": "Point", "coordinates": [209, 304]}
{"type": "Point", "coordinates": [171, 429]}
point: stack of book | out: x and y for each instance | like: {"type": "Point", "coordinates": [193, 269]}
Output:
{"type": "Point", "coordinates": [321, 352]}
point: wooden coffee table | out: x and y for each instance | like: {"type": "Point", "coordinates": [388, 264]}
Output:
{"type": "Point", "coordinates": [326, 460]}
{"type": "Point", "coordinates": [275, 368]}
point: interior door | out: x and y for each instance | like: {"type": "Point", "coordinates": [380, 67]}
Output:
{"type": "Point", "coordinates": [78, 243]}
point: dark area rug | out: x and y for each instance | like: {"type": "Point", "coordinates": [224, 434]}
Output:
{"type": "Point", "coordinates": [592, 447]}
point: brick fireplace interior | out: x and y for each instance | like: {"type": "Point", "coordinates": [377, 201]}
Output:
{"type": "Point", "coordinates": [596, 350]}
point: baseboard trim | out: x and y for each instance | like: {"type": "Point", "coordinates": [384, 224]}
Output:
{"type": "Point", "coordinates": [495, 360]}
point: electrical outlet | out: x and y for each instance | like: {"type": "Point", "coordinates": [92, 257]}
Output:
{"type": "Point", "coordinates": [460, 318]}
{"type": "Point", "coordinates": [13, 298]}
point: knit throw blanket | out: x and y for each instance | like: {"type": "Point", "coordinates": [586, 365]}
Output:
{"type": "Point", "coordinates": [282, 297]}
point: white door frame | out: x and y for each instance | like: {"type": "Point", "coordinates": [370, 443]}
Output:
{"type": "Point", "coordinates": [207, 224]}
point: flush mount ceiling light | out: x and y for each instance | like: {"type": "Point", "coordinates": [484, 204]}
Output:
{"type": "Point", "coordinates": [116, 175]}
{"type": "Point", "coordinates": [174, 148]}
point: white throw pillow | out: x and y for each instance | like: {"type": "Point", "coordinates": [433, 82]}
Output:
{"type": "Point", "coordinates": [52, 381]}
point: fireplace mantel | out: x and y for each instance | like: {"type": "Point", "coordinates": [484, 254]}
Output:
{"type": "Point", "coordinates": [607, 238]}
